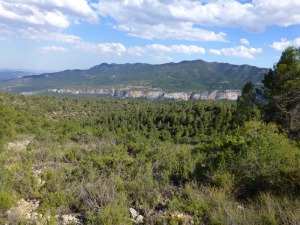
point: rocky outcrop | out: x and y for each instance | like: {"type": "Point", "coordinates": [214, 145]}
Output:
{"type": "Point", "coordinates": [154, 94]}
{"type": "Point", "coordinates": [136, 217]}
{"type": "Point", "coordinates": [177, 95]}
{"type": "Point", "coordinates": [216, 95]}
{"type": "Point", "coordinates": [70, 219]}
{"type": "Point", "coordinates": [205, 95]}
{"type": "Point", "coordinates": [25, 210]}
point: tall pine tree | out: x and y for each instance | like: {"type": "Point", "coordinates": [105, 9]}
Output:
{"type": "Point", "coordinates": [282, 89]}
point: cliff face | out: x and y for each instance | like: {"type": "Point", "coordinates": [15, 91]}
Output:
{"type": "Point", "coordinates": [206, 95]}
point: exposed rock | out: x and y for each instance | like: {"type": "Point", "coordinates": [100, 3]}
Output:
{"type": "Point", "coordinates": [134, 214]}
{"type": "Point", "coordinates": [188, 220]}
{"type": "Point", "coordinates": [119, 94]}
{"type": "Point", "coordinates": [216, 95]}
{"type": "Point", "coordinates": [139, 219]}
{"type": "Point", "coordinates": [25, 209]}
{"type": "Point", "coordinates": [228, 94]}
{"type": "Point", "coordinates": [135, 217]}
{"type": "Point", "coordinates": [18, 145]}
{"type": "Point", "coordinates": [37, 173]}
{"type": "Point", "coordinates": [134, 94]}
{"type": "Point", "coordinates": [67, 219]}
{"type": "Point", "coordinates": [177, 95]}
{"type": "Point", "coordinates": [31, 93]}
{"type": "Point", "coordinates": [241, 207]}
{"type": "Point", "coordinates": [153, 94]}
{"type": "Point", "coordinates": [205, 95]}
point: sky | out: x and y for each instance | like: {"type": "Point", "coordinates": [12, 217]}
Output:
{"type": "Point", "coordinates": [55, 35]}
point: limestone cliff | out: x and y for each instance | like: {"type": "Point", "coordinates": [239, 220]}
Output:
{"type": "Point", "coordinates": [205, 95]}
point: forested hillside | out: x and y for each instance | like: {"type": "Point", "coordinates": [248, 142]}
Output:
{"type": "Point", "coordinates": [188, 76]}
{"type": "Point", "coordinates": [174, 163]}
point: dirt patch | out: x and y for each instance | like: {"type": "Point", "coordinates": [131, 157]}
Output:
{"type": "Point", "coordinates": [18, 145]}
{"type": "Point", "coordinates": [24, 210]}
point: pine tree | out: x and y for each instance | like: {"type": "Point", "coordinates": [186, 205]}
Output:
{"type": "Point", "coordinates": [246, 109]}
{"type": "Point", "coordinates": [282, 89]}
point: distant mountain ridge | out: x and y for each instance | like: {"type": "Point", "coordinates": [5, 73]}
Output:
{"type": "Point", "coordinates": [186, 76]}
{"type": "Point", "coordinates": [7, 74]}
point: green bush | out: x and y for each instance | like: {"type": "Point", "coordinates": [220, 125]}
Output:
{"type": "Point", "coordinates": [257, 156]}
{"type": "Point", "coordinates": [6, 201]}
{"type": "Point", "coordinates": [115, 213]}
{"type": "Point", "coordinates": [266, 160]}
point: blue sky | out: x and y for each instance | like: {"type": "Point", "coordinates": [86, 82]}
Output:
{"type": "Point", "coordinates": [56, 35]}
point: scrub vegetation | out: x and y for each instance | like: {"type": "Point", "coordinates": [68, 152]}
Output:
{"type": "Point", "coordinates": [196, 162]}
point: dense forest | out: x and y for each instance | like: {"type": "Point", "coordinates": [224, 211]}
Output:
{"type": "Point", "coordinates": [109, 161]}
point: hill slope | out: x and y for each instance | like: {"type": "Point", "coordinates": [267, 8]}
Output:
{"type": "Point", "coordinates": [8, 74]}
{"type": "Point", "coordinates": [112, 161]}
{"type": "Point", "coordinates": [195, 75]}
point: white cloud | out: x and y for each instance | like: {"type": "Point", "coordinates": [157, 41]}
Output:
{"type": "Point", "coordinates": [22, 15]}
{"type": "Point", "coordinates": [244, 41]}
{"type": "Point", "coordinates": [79, 9]}
{"type": "Point", "coordinates": [239, 51]}
{"type": "Point", "coordinates": [53, 49]}
{"type": "Point", "coordinates": [187, 49]}
{"type": "Point", "coordinates": [181, 19]}
{"type": "Point", "coordinates": [45, 35]}
{"type": "Point", "coordinates": [161, 52]}
{"type": "Point", "coordinates": [102, 48]}
{"type": "Point", "coordinates": [215, 51]}
{"type": "Point", "coordinates": [34, 18]}
{"type": "Point", "coordinates": [136, 50]}
{"type": "Point", "coordinates": [182, 31]}
{"type": "Point", "coordinates": [74, 41]}
{"type": "Point", "coordinates": [152, 19]}
{"type": "Point", "coordinates": [161, 49]}
{"type": "Point", "coordinates": [52, 13]}
{"type": "Point", "coordinates": [283, 44]}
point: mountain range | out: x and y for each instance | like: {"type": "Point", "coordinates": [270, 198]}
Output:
{"type": "Point", "coordinates": [8, 74]}
{"type": "Point", "coordinates": [187, 76]}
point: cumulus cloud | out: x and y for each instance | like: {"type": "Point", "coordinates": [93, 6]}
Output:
{"type": "Point", "coordinates": [23, 15]}
{"type": "Point", "coordinates": [161, 52]}
{"type": "Point", "coordinates": [102, 48]}
{"type": "Point", "coordinates": [45, 13]}
{"type": "Point", "coordinates": [79, 9]}
{"type": "Point", "coordinates": [244, 41]}
{"type": "Point", "coordinates": [215, 51]}
{"type": "Point", "coordinates": [239, 51]}
{"type": "Point", "coordinates": [283, 44]}
{"type": "Point", "coordinates": [137, 50]}
{"type": "Point", "coordinates": [53, 49]}
{"type": "Point", "coordinates": [187, 49]}
{"type": "Point", "coordinates": [43, 19]}
{"type": "Point", "coordinates": [153, 19]}
{"type": "Point", "coordinates": [181, 19]}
